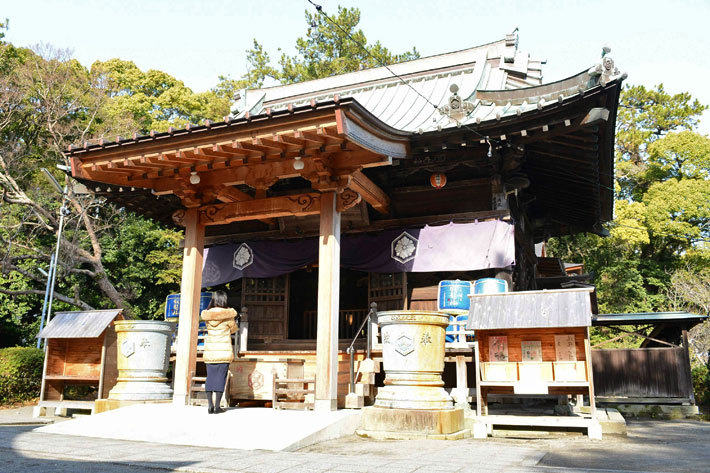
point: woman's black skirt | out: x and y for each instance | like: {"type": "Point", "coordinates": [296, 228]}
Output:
{"type": "Point", "coordinates": [216, 376]}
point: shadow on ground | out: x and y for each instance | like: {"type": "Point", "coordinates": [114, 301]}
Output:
{"type": "Point", "coordinates": [652, 445]}
{"type": "Point", "coordinates": [18, 454]}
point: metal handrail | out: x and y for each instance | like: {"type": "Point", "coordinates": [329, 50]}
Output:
{"type": "Point", "coordinates": [372, 315]}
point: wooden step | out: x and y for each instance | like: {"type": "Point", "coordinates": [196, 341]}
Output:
{"type": "Point", "coordinates": [285, 396]}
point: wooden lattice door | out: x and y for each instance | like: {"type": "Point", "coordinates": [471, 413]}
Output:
{"type": "Point", "coordinates": [388, 290]}
{"type": "Point", "coordinates": [267, 302]}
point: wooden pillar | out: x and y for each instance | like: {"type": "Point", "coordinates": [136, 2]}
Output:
{"type": "Point", "coordinates": [479, 394]}
{"type": "Point", "coordinates": [102, 371]}
{"type": "Point", "coordinates": [691, 393]}
{"type": "Point", "coordinates": [462, 382]}
{"type": "Point", "coordinates": [328, 305]}
{"type": "Point", "coordinates": [590, 374]}
{"type": "Point", "coordinates": [190, 289]}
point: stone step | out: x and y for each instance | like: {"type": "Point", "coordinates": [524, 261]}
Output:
{"type": "Point", "coordinates": [364, 390]}
{"type": "Point", "coordinates": [354, 401]}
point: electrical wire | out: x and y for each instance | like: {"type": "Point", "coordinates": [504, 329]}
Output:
{"type": "Point", "coordinates": [320, 11]}
{"type": "Point", "coordinates": [379, 61]}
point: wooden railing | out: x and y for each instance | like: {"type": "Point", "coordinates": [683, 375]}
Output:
{"type": "Point", "coordinates": [348, 323]}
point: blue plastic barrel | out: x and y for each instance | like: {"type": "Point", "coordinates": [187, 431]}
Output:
{"type": "Point", "coordinates": [453, 299]}
{"type": "Point", "coordinates": [490, 286]}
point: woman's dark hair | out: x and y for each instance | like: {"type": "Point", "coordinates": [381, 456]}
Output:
{"type": "Point", "coordinates": [219, 299]}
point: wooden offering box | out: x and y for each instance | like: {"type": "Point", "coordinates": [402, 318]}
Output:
{"type": "Point", "coordinates": [81, 350]}
{"type": "Point", "coordinates": [533, 342]}
{"type": "Point", "coordinates": [253, 378]}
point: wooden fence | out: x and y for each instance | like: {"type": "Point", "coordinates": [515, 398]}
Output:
{"type": "Point", "coordinates": [644, 373]}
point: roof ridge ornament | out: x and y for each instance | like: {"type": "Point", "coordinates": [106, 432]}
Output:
{"type": "Point", "coordinates": [511, 47]}
{"type": "Point", "coordinates": [457, 108]}
{"type": "Point", "coordinates": [606, 71]}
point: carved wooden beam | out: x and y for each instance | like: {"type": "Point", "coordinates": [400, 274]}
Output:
{"type": "Point", "coordinates": [369, 191]}
{"type": "Point", "coordinates": [229, 194]}
{"type": "Point", "coordinates": [257, 209]}
{"type": "Point", "coordinates": [347, 200]}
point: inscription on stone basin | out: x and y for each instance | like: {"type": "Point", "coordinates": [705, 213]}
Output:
{"type": "Point", "coordinates": [403, 317]}
{"type": "Point", "coordinates": [404, 345]}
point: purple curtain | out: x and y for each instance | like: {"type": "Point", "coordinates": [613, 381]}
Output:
{"type": "Point", "coordinates": [452, 247]}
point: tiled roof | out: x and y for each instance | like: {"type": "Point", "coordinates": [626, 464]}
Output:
{"type": "Point", "coordinates": [413, 106]}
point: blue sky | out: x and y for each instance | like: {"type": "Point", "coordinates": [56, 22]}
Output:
{"type": "Point", "coordinates": [197, 40]}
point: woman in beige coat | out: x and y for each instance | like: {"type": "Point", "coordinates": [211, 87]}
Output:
{"type": "Point", "coordinates": [221, 324]}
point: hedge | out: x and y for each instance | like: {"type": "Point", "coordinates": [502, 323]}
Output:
{"type": "Point", "coordinates": [20, 374]}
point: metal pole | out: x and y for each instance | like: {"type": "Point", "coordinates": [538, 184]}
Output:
{"type": "Point", "coordinates": [62, 212]}
{"type": "Point", "coordinates": [352, 369]}
{"type": "Point", "coordinates": [46, 297]}
{"type": "Point", "coordinates": [372, 318]}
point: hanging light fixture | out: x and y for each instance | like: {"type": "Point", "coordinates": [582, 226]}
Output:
{"type": "Point", "coordinates": [194, 178]}
{"type": "Point", "coordinates": [298, 164]}
{"type": "Point", "coordinates": [438, 180]}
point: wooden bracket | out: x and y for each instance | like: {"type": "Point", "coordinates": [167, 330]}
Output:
{"type": "Point", "coordinates": [369, 191]}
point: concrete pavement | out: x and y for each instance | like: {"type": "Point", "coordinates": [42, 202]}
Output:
{"type": "Point", "coordinates": [654, 446]}
{"type": "Point", "coordinates": [269, 429]}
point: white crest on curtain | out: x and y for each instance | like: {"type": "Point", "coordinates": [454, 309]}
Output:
{"type": "Point", "coordinates": [404, 248]}
{"type": "Point", "coordinates": [243, 257]}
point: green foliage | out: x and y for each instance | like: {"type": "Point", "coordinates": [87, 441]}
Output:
{"type": "Point", "coordinates": [144, 260]}
{"type": "Point", "coordinates": [20, 374]}
{"type": "Point", "coordinates": [662, 217]}
{"type": "Point", "coordinates": [684, 154]}
{"type": "Point", "coordinates": [152, 100]}
{"type": "Point", "coordinates": [701, 384]}
{"type": "Point", "coordinates": [18, 322]}
{"type": "Point", "coordinates": [258, 69]}
{"type": "Point", "coordinates": [326, 50]}
{"type": "Point", "coordinates": [645, 116]}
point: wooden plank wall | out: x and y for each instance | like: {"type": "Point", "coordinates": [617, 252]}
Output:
{"type": "Point", "coordinates": [79, 357]}
{"type": "Point", "coordinates": [545, 335]}
{"type": "Point", "coordinates": [83, 356]}
{"type": "Point", "coordinates": [641, 372]}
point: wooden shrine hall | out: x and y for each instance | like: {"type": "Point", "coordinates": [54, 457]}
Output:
{"type": "Point", "coordinates": [452, 170]}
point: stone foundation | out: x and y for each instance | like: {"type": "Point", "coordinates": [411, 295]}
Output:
{"type": "Point", "coordinates": [383, 423]}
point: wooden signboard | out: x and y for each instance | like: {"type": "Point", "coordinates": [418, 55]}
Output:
{"type": "Point", "coordinates": [565, 349]}
{"type": "Point", "coordinates": [531, 350]}
{"type": "Point", "coordinates": [498, 348]}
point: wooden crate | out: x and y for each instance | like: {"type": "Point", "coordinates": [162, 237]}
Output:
{"type": "Point", "coordinates": [253, 378]}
